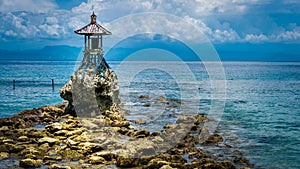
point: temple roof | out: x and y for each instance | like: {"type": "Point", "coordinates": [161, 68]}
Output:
{"type": "Point", "coordinates": [93, 28]}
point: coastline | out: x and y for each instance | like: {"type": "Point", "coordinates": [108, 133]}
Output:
{"type": "Point", "coordinates": [46, 137]}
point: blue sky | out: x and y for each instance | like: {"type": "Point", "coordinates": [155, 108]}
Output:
{"type": "Point", "coordinates": [29, 24]}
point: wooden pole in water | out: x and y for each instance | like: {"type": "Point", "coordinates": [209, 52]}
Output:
{"type": "Point", "coordinates": [52, 84]}
{"type": "Point", "coordinates": [14, 84]}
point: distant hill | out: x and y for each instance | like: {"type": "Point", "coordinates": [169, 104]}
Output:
{"type": "Point", "coordinates": [62, 52]}
{"type": "Point", "coordinates": [273, 52]}
{"type": "Point", "coordinates": [227, 52]}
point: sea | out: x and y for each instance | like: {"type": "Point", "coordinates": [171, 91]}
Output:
{"type": "Point", "coordinates": [258, 113]}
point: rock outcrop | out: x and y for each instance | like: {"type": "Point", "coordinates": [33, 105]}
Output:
{"type": "Point", "coordinates": [92, 90]}
{"type": "Point", "coordinates": [66, 142]}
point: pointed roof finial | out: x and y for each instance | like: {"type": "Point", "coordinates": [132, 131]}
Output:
{"type": "Point", "coordinates": [93, 18]}
{"type": "Point", "coordinates": [93, 28]}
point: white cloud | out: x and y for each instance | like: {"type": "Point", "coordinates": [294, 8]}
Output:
{"type": "Point", "coordinates": [256, 38]}
{"type": "Point", "coordinates": [51, 20]}
{"type": "Point", "coordinates": [11, 33]}
{"type": "Point", "coordinates": [52, 30]}
{"type": "Point", "coordinates": [283, 36]}
{"type": "Point", "coordinates": [288, 36]}
{"type": "Point", "coordinates": [225, 36]}
{"type": "Point", "coordinates": [208, 16]}
{"type": "Point", "coordinates": [35, 6]}
{"type": "Point", "coordinates": [27, 26]}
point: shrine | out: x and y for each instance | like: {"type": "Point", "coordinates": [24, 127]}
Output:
{"type": "Point", "coordinates": [93, 88]}
{"type": "Point", "coordinates": [93, 43]}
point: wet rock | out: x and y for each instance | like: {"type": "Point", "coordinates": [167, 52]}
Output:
{"type": "Point", "coordinates": [30, 163]}
{"type": "Point", "coordinates": [213, 139]}
{"type": "Point", "coordinates": [147, 105]}
{"type": "Point", "coordinates": [96, 160]}
{"type": "Point", "coordinates": [3, 155]}
{"type": "Point", "coordinates": [61, 133]}
{"type": "Point", "coordinates": [8, 141]}
{"type": "Point", "coordinates": [31, 156]}
{"type": "Point", "coordinates": [54, 127]}
{"type": "Point", "coordinates": [166, 167]}
{"type": "Point", "coordinates": [146, 150]}
{"type": "Point", "coordinates": [227, 165]}
{"type": "Point", "coordinates": [241, 160]}
{"type": "Point", "coordinates": [37, 134]}
{"type": "Point", "coordinates": [211, 164]}
{"type": "Point", "coordinates": [120, 124]}
{"type": "Point", "coordinates": [140, 121]}
{"type": "Point", "coordinates": [32, 151]}
{"type": "Point", "coordinates": [172, 158]}
{"type": "Point", "coordinates": [4, 128]}
{"type": "Point", "coordinates": [44, 147]}
{"type": "Point", "coordinates": [72, 144]}
{"type": "Point", "coordinates": [162, 99]}
{"type": "Point", "coordinates": [201, 118]}
{"type": "Point", "coordinates": [53, 109]}
{"type": "Point", "coordinates": [56, 166]}
{"type": "Point", "coordinates": [126, 161]}
{"type": "Point", "coordinates": [144, 97]}
{"type": "Point", "coordinates": [49, 159]}
{"type": "Point", "coordinates": [175, 161]}
{"type": "Point", "coordinates": [106, 154]}
{"type": "Point", "coordinates": [197, 154]}
{"type": "Point", "coordinates": [69, 154]}
{"type": "Point", "coordinates": [186, 120]}
{"type": "Point", "coordinates": [141, 133]}
{"type": "Point", "coordinates": [157, 163]}
{"type": "Point", "coordinates": [49, 140]}
{"type": "Point", "coordinates": [88, 147]}
{"type": "Point", "coordinates": [23, 139]}
{"type": "Point", "coordinates": [11, 148]}
{"type": "Point", "coordinates": [74, 132]}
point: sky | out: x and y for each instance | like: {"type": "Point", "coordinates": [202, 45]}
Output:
{"type": "Point", "coordinates": [31, 24]}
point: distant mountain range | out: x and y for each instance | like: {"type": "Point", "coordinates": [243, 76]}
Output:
{"type": "Point", "coordinates": [273, 52]}
{"type": "Point", "coordinates": [227, 52]}
{"type": "Point", "coordinates": [62, 52]}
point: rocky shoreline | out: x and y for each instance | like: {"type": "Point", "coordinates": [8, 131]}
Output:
{"type": "Point", "coordinates": [46, 137]}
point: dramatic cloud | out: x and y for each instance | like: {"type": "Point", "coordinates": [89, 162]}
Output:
{"type": "Point", "coordinates": [35, 6]}
{"type": "Point", "coordinates": [222, 21]}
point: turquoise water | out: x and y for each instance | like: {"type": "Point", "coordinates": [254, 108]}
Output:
{"type": "Point", "coordinates": [261, 115]}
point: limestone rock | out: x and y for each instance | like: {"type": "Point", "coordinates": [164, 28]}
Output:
{"type": "Point", "coordinates": [241, 160]}
{"type": "Point", "coordinates": [23, 138]}
{"type": "Point", "coordinates": [141, 133]}
{"type": "Point", "coordinates": [107, 155]}
{"type": "Point", "coordinates": [30, 163]}
{"type": "Point", "coordinates": [44, 147]}
{"type": "Point", "coordinates": [3, 155]}
{"type": "Point", "coordinates": [49, 140]}
{"type": "Point", "coordinates": [69, 154]}
{"type": "Point", "coordinates": [56, 166]}
{"type": "Point", "coordinates": [126, 161]}
{"type": "Point", "coordinates": [97, 160]}
{"type": "Point", "coordinates": [213, 139]}
{"type": "Point", "coordinates": [30, 150]}
{"type": "Point", "coordinates": [166, 167]}
{"type": "Point", "coordinates": [11, 148]}
{"type": "Point", "coordinates": [91, 90]}
{"type": "Point", "coordinates": [87, 147]}
{"type": "Point", "coordinates": [54, 127]}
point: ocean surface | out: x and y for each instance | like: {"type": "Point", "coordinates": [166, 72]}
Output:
{"type": "Point", "coordinates": [260, 116]}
